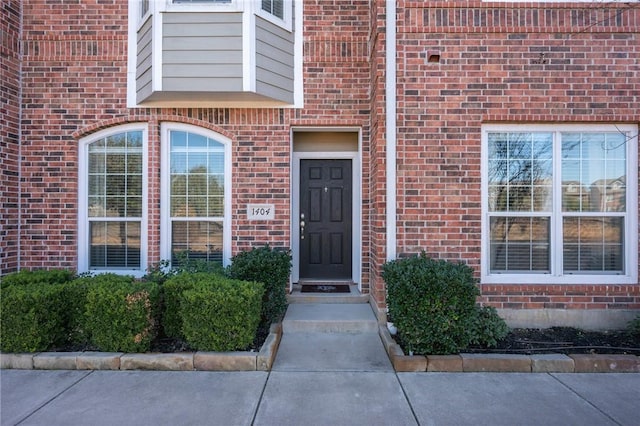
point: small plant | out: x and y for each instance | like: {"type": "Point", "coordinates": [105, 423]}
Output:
{"type": "Point", "coordinates": [431, 302]}
{"type": "Point", "coordinates": [220, 314]}
{"type": "Point", "coordinates": [186, 264]}
{"type": "Point", "coordinates": [121, 313]}
{"type": "Point", "coordinates": [159, 272]}
{"type": "Point", "coordinates": [271, 267]}
{"type": "Point", "coordinates": [488, 328]}
{"type": "Point", "coordinates": [633, 329]}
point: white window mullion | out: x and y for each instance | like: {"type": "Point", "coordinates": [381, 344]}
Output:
{"type": "Point", "coordinates": [557, 252]}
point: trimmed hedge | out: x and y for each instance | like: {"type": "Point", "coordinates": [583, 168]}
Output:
{"type": "Point", "coordinates": [32, 318]}
{"type": "Point", "coordinates": [270, 267]}
{"type": "Point", "coordinates": [41, 276]}
{"type": "Point", "coordinates": [121, 313]}
{"type": "Point", "coordinates": [431, 302]}
{"type": "Point", "coordinates": [172, 291]}
{"type": "Point", "coordinates": [33, 310]}
{"type": "Point", "coordinates": [219, 314]}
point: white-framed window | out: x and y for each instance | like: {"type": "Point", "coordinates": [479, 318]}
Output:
{"type": "Point", "coordinates": [112, 199]}
{"type": "Point", "coordinates": [559, 203]}
{"type": "Point", "coordinates": [196, 194]}
{"type": "Point", "coordinates": [278, 12]}
{"type": "Point", "coordinates": [202, 5]}
{"type": "Point", "coordinates": [273, 7]}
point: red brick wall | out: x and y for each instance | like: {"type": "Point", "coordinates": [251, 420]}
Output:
{"type": "Point", "coordinates": [9, 134]}
{"type": "Point", "coordinates": [501, 62]}
{"type": "Point", "coordinates": [75, 84]}
{"type": "Point", "coordinates": [491, 70]}
{"type": "Point", "coordinates": [73, 74]}
{"type": "Point", "coordinates": [376, 185]}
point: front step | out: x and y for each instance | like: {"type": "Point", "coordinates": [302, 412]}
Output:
{"type": "Point", "coordinates": [354, 296]}
{"type": "Point", "coordinates": [329, 318]}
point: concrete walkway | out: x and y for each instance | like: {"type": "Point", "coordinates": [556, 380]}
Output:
{"type": "Point", "coordinates": [327, 372]}
{"type": "Point", "coordinates": [33, 397]}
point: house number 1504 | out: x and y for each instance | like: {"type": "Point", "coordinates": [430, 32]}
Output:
{"type": "Point", "coordinates": [260, 212]}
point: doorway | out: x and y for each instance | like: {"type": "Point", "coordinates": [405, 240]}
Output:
{"type": "Point", "coordinates": [325, 206]}
{"type": "Point", "coordinates": [325, 219]}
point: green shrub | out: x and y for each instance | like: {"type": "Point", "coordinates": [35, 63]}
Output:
{"type": "Point", "coordinates": [121, 313]}
{"type": "Point", "coordinates": [270, 267]}
{"type": "Point", "coordinates": [633, 329]}
{"type": "Point", "coordinates": [488, 328]}
{"type": "Point", "coordinates": [220, 314]}
{"type": "Point", "coordinates": [75, 296]}
{"type": "Point", "coordinates": [172, 291]}
{"type": "Point", "coordinates": [33, 308]}
{"type": "Point", "coordinates": [185, 264]}
{"type": "Point", "coordinates": [25, 277]}
{"type": "Point", "coordinates": [431, 302]}
{"type": "Point", "coordinates": [32, 317]}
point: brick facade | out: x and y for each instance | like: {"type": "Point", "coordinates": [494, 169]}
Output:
{"type": "Point", "coordinates": [9, 135]}
{"type": "Point", "coordinates": [498, 63]}
{"type": "Point", "coordinates": [511, 63]}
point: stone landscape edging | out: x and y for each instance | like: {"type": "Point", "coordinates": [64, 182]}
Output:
{"type": "Point", "coordinates": [180, 361]}
{"type": "Point", "coordinates": [507, 363]}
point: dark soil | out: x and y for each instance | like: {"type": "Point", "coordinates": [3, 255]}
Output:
{"type": "Point", "coordinates": [563, 340]}
{"type": "Point", "coordinates": [163, 344]}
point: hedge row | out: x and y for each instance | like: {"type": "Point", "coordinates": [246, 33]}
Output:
{"type": "Point", "coordinates": [110, 312]}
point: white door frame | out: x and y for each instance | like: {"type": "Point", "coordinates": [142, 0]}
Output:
{"type": "Point", "coordinates": [355, 156]}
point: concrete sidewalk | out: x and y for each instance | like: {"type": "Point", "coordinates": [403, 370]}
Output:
{"type": "Point", "coordinates": [32, 397]}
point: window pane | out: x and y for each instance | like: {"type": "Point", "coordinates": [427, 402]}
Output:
{"type": "Point", "coordinates": [134, 163]}
{"type": "Point", "coordinates": [97, 162]}
{"type": "Point", "coordinates": [216, 206]}
{"type": "Point", "coordinates": [197, 185]}
{"type": "Point", "coordinates": [114, 245]}
{"type": "Point", "coordinates": [197, 188]}
{"type": "Point", "coordinates": [178, 185]}
{"type": "Point", "coordinates": [97, 207]}
{"type": "Point", "coordinates": [593, 244]}
{"type": "Point", "coordinates": [134, 140]}
{"type": "Point", "coordinates": [178, 139]}
{"type": "Point", "coordinates": [519, 244]}
{"type": "Point", "coordinates": [196, 240]}
{"type": "Point", "coordinates": [520, 171]}
{"type": "Point", "coordinates": [197, 162]}
{"type": "Point", "coordinates": [116, 184]}
{"type": "Point", "coordinates": [594, 172]}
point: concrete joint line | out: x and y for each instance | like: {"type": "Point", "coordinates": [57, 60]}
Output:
{"type": "Point", "coordinates": [576, 393]}
{"type": "Point", "coordinates": [406, 397]}
{"type": "Point", "coordinates": [53, 398]}
{"type": "Point", "coordinates": [264, 388]}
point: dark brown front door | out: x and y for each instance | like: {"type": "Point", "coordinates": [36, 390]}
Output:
{"type": "Point", "coordinates": [325, 219]}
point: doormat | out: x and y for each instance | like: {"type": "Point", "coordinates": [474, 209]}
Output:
{"type": "Point", "coordinates": [325, 288]}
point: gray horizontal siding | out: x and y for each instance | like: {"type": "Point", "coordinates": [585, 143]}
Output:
{"type": "Point", "coordinates": [144, 63]}
{"type": "Point", "coordinates": [274, 61]}
{"type": "Point", "coordinates": [202, 52]}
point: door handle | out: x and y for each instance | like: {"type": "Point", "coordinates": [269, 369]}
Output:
{"type": "Point", "coordinates": [302, 226]}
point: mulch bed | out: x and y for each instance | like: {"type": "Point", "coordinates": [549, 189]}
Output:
{"type": "Point", "coordinates": [563, 340]}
